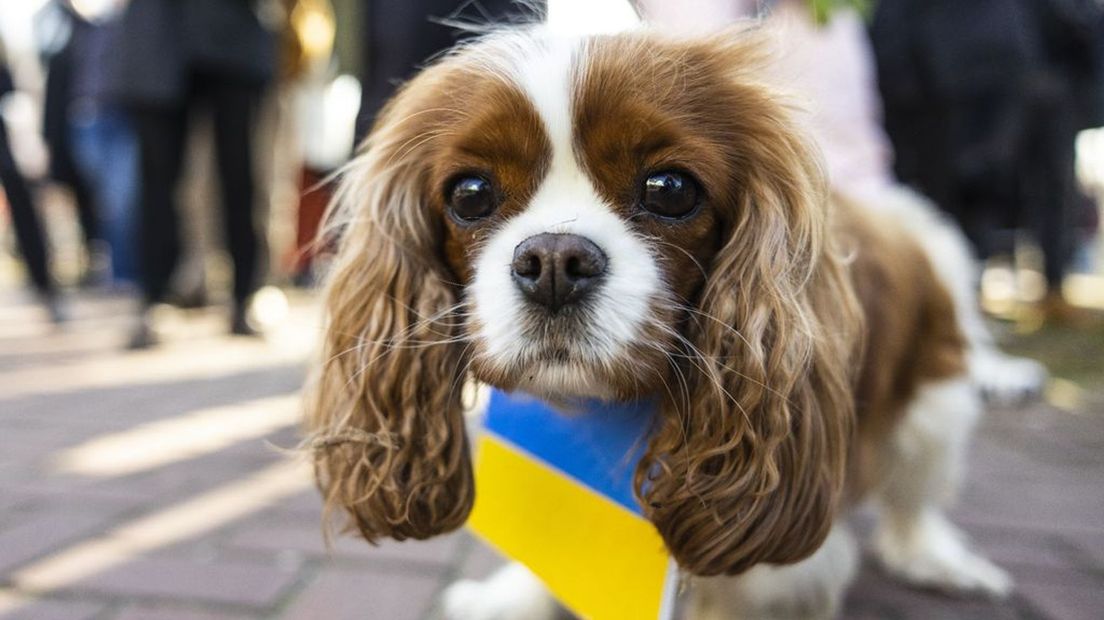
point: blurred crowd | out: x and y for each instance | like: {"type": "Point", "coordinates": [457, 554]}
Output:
{"type": "Point", "coordinates": [127, 86]}
{"type": "Point", "coordinates": [977, 105]}
{"type": "Point", "coordinates": [983, 101]}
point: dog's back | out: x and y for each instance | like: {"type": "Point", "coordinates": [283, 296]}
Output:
{"type": "Point", "coordinates": [912, 335]}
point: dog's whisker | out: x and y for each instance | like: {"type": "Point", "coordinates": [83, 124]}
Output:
{"type": "Point", "coordinates": [401, 336]}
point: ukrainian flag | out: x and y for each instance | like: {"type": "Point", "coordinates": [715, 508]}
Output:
{"type": "Point", "coordinates": [554, 491]}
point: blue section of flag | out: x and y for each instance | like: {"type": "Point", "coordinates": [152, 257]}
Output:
{"type": "Point", "coordinates": [596, 443]}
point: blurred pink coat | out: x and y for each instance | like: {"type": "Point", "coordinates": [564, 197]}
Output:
{"type": "Point", "coordinates": [830, 68]}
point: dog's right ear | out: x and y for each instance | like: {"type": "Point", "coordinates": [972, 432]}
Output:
{"type": "Point", "coordinates": [384, 414]}
{"type": "Point", "coordinates": [751, 468]}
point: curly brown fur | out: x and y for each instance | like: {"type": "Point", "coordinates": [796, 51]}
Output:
{"type": "Point", "coordinates": [750, 467]}
{"type": "Point", "coordinates": [384, 413]}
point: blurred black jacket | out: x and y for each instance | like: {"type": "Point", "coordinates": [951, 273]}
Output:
{"type": "Point", "coordinates": [59, 97]}
{"type": "Point", "coordinates": [950, 49]}
{"type": "Point", "coordinates": [1072, 44]}
{"type": "Point", "coordinates": [6, 83]}
{"type": "Point", "coordinates": [943, 51]}
{"type": "Point", "coordinates": [982, 100]}
{"type": "Point", "coordinates": [165, 41]}
{"type": "Point", "coordinates": [401, 37]}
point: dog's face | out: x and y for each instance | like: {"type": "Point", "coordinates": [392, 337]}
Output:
{"type": "Point", "coordinates": [583, 194]}
{"type": "Point", "coordinates": [609, 217]}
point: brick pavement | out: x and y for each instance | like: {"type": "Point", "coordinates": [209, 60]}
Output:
{"type": "Point", "coordinates": [219, 530]}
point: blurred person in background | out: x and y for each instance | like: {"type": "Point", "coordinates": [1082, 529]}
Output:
{"type": "Point", "coordinates": [1064, 98]}
{"type": "Point", "coordinates": [173, 57]}
{"type": "Point", "coordinates": [92, 145]}
{"type": "Point", "coordinates": [324, 120]}
{"type": "Point", "coordinates": [394, 41]}
{"type": "Point", "coordinates": [53, 30]}
{"type": "Point", "coordinates": [29, 234]}
{"type": "Point", "coordinates": [399, 37]}
{"type": "Point", "coordinates": [983, 101]}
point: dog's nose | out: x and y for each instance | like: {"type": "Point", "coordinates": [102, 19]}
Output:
{"type": "Point", "coordinates": [557, 270]}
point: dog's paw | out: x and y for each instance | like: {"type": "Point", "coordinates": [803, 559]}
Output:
{"type": "Point", "coordinates": [511, 593]}
{"type": "Point", "coordinates": [933, 553]}
{"type": "Point", "coordinates": [1007, 380]}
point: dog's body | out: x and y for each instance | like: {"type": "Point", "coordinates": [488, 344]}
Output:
{"type": "Point", "coordinates": [916, 407]}
{"type": "Point", "coordinates": [624, 216]}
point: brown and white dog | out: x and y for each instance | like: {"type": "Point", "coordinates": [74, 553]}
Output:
{"type": "Point", "coordinates": [636, 215]}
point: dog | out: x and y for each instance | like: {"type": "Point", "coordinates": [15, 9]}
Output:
{"type": "Point", "coordinates": [638, 215]}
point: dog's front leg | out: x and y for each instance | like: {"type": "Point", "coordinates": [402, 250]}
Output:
{"type": "Point", "coordinates": [510, 593]}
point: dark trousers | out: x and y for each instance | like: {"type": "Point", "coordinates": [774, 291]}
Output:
{"type": "Point", "coordinates": [1048, 177]}
{"type": "Point", "coordinates": [88, 212]}
{"type": "Point", "coordinates": [962, 155]}
{"type": "Point", "coordinates": [162, 137]}
{"type": "Point", "coordinates": [28, 226]}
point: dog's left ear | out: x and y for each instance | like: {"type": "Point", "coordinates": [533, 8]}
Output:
{"type": "Point", "coordinates": [384, 413]}
{"type": "Point", "coordinates": [749, 466]}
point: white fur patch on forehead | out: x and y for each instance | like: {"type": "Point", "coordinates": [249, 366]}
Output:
{"type": "Point", "coordinates": [547, 69]}
{"type": "Point", "coordinates": [543, 65]}
{"type": "Point", "coordinates": [548, 78]}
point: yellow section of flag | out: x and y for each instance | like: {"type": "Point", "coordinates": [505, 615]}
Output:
{"type": "Point", "coordinates": [599, 559]}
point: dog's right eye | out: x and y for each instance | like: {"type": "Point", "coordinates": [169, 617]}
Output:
{"type": "Point", "coordinates": [670, 194]}
{"type": "Point", "coordinates": [471, 198]}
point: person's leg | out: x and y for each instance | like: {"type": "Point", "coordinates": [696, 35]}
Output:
{"type": "Point", "coordinates": [29, 234]}
{"type": "Point", "coordinates": [1058, 187]}
{"type": "Point", "coordinates": [121, 193]}
{"type": "Point", "coordinates": [1048, 190]}
{"type": "Point", "coordinates": [233, 107]}
{"type": "Point", "coordinates": [161, 133]}
{"type": "Point", "coordinates": [90, 216]}
{"type": "Point", "coordinates": [86, 181]}
{"type": "Point", "coordinates": [88, 212]}
{"type": "Point", "coordinates": [161, 137]}
{"type": "Point", "coordinates": [979, 169]}
{"type": "Point", "coordinates": [28, 227]}
{"type": "Point", "coordinates": [106, 153]}
{"type": "Point", "coordinates": [1047, 174]}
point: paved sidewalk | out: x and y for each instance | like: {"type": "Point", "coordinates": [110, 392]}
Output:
{"type": "Point", "coordinates": [153, 486]}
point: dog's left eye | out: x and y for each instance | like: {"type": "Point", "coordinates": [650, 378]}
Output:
{"type": "Point", "coordinates": [669, 194]}
{"type": "Point", "coordinates": [472, 198]}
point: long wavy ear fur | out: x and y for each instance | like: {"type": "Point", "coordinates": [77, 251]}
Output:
{"type": "Point", "coordinates": [749, 468]}
{"type": "Point", "coordinates": [384, 413]}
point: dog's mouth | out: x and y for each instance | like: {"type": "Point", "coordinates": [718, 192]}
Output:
{"type": "Point", "coordinates": [555, 379]}
{"type": "Point", "coordinates": [562, 324]}
{"type": "Point", "coordinates": [566, 334]}
{"type": "Point", "coordinates": [563, 353]}
{"type": "Point", "coordinates": [556, 355]}
{"type": "Point", "coordinates": [558, 367]}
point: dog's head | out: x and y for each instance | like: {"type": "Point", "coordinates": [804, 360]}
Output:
{"type": "Point", "coordinates": [613, 217]}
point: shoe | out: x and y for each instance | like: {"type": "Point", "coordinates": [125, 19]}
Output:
{"type": "Point", "coordinates": [55, 309]}
{"type": "Point", "coordinates": [142, 337]}
{"type": "Point", "coordinates": [1057, 311]}
{"type": "Point", "coordinates": [97, 273]}
{"type": "Point", "coordinates": [239, 322]}
{"type": "Point", "coordinates": [191, 300]}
